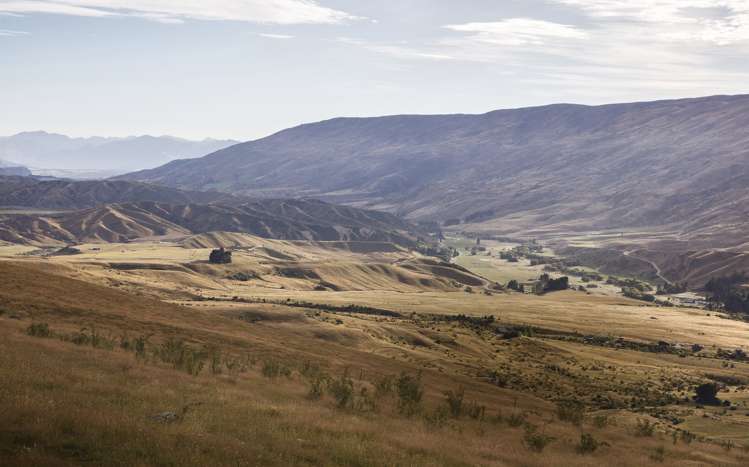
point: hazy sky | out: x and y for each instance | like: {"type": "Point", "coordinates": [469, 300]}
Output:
{"type": "Point", "coordinates": [245, 68]}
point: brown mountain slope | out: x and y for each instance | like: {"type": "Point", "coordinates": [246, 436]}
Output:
{"type": "Point", "coordinates": [69, 194]}
{"type": "Point", "coordinates": [681, 163]}
{"type": "Point", "coordinates": [288, 220]}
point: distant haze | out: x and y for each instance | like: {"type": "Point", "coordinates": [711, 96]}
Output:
{"type": "Point", "coordinates": [96, 157]}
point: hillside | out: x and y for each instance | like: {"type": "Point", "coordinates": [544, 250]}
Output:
{"type": "Point", "coordinates": [60, 155]}
{"type": "Point", "coordinates": [680, 164]}
{"type": "Point", "coordinates": [32, 192]}
{"type": "Point", "coordinates": [288, 220]}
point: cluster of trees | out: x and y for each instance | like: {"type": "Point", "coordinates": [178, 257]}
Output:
{"type": "Point", "coordinates": [677, 287]}
{"type": "Point", "coordinates": [544, 284]}
{"type": "Point", "coordinates": [727, 293]}
{"type": "Point", "coordinates": [220, 256]}
{"type": "Point", "coordinates": [551, 285]}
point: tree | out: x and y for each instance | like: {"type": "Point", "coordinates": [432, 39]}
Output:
{"type": "Point", "coordinates": [220, 256]}
{"type": "Point", "coordinates": [707, 394]}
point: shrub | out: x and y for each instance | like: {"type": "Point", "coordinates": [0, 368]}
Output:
{"type": "Point", "coordinates": [588, 444]}
{"type": "Point", "coordinates": [454, 400]}
{"type": "Point", "coordinates": [570, 411]}
{"type": "Point", "coordinates": [534, 440]}
{"type": "Point", "coordinates": [707, 394]}
{"type": "Point", "coordinates": [271, 369]}
{"type": "Point", "coordinates": [39, 330]}
{"type": "Point", "coordinates": [139, 346]}
{"type": "Point", "coordinates": [410, 393]}
{"type": "Point", "coordinates": [181, 356]}
{"type": "Point", "coordinates": [317, 387]}
{"type": "Point", "coordinates": [687, 437]}
{"type": "Point", "coordinates": [365, 402]}
{"type": "Point", "coordinates": [644, 428]}
{"type": "Point", "coordinates": [438, 418]}
{"type": "Point", "coordinates": [600, 421]}
{"type": "Point", "coordinates": [659, 454]}
{"type": "Point", "coordinates": [384, 386]}
{"type": "Point", "coordinates": [475, 411]}
{"type": "Point", "coordinates": [516, 419]}
{"type": "Point", "coordinates": [215, 356]}
{"type": "Point", "coordinates": [342, 390]}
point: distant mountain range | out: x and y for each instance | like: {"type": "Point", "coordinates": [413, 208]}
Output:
{"type": "Point", "coordinates": [680, 165]}
{"type": "Point", "coordinates": [120, 211]}
{"type": "Point", "coordinates": [98, 157]}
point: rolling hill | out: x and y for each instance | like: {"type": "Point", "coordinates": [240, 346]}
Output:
{"type": "Point", "coordinates": [32, 192]}
{"type": "Point", "coordinates": [680, 165]}
{"type": "Point", "coordinates": [278, 219]}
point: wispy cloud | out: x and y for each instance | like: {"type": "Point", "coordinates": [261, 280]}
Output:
{"type": "Point", "coordinates": [275, 36]}
{"type": "Point", "coordinates": [12, 33]}
{"type": "Point", "coordinates": [519, 31]}
{"type": "Point", "coordinates": [719, 22]}
{"type": "Point", "coordinates": [259, 11]}
{"type": "Point", "coordinates": [398, 50]}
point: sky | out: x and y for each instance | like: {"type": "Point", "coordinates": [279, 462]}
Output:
{"type": "Point", "coordinates": [243, 69]}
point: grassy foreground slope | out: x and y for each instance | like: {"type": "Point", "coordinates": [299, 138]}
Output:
{"type": "Point", "coordinates": [116, 378]}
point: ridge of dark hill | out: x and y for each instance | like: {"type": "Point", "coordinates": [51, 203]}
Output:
{"type": "Point", "coordinates": [33, 192]}
{"type": "Point", "coordinates": [677, 163]}
{"type": "Point", "coordinates": [278, 219]}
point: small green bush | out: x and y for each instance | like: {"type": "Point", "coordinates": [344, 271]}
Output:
{"type": "Point", "coordinates": [644, 428]}
{"type": "Point", "coordinates": [454, 400]}
{"type": "Point", "coordinates": [39, 330]}
{"type": "Point", "coordinates": [317, 387]}
{"type": "Point", "coordinates": [342, 390]}
{"type": "Point", "coordinates": [271, 369]}
{"type": "Point", "coordinates": [534, 440]}
{"type": "Point", "coordinates": [659, 454]}
{"type": "Point", "coordinates": [588, 444]}
{"type": "Point", "coordinates": [438, 418]}
{"type": "Point", "coordinates": [410, 393]}
{"type": "Point", "coordinates": [384, 386]}
{"type": "Point", "coordinates": [571, 412]}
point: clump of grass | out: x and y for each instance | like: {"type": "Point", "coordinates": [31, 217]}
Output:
{"type": "Point", "coordinates": [438, 418]}
{"type": "Point", "coordinates": [516, 419]}
{"type": "Point", "coordinates": [91, 338]}
{"type": "Point", "coordinates": [139, 346]}
{"type": "Point", "coordinates": [181, 356]}
{"type": "Point", "coordinates": [384, 386]}
{"type": "Point", "coordinates": [475, 411]}
{"type": "Point", "coordinates": [588, 444]}
{"type": "Point", "coordinates": [410, 393]}
{"type": "Point", "coordinates": [600, 421]}
{"type": "Point", "coordinates": [571, 412]}
{"type": "Point", "coordinates": [454, 401]}
{"type": "Point", "coordinates": [342, 390]}
{"type": "Point", "coordinates": [687, 437]}
{"type": "Point", "coordinates": [317, 385]}
{"type": "Point", "coordinates": [534, 440]}
{"type": "Point", "coordinates": [365, 402]}
{"type": "Point", "coordinates": [644, 428]}
{"type": "Point", "coordinates": [39, 330]}
{"type": "Point", "coordinates": [658, 455]}
{"type": "Point", "coordinates": [274, 369]}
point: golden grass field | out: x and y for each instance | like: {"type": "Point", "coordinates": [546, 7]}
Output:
{"type": "Point", "coordinates": [267, 341]}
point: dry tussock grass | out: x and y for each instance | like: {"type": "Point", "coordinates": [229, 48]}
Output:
{"type": "Point", "coordinates": [64, 404]}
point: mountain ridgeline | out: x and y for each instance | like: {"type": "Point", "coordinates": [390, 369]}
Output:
{"type": "Point", "coordinates": [680, 164]}
{"type": "Point", "coordinates": [62, 211]}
